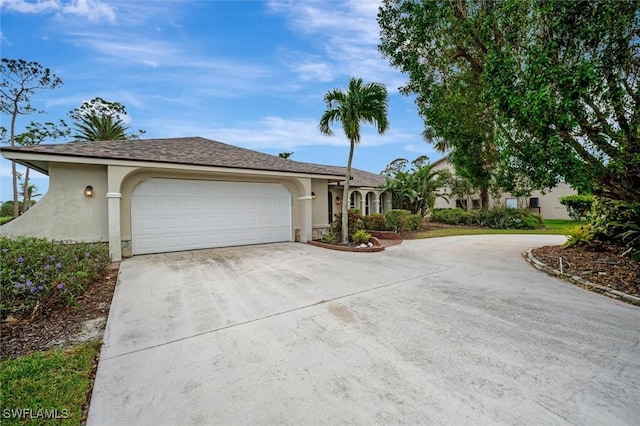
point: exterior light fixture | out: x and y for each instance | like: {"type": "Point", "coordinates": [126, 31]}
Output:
{"type": "Point", "coordinates": [338, 201]}
{"type": "Point", "coordinates": [313, 196]}
{"type": "Point", "coordinates": [88, 191]}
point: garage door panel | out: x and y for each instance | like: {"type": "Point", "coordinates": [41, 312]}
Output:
{"type": "Point", "coordinates": [173, 215]}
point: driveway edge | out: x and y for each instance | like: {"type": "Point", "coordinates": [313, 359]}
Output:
{"type": "Point", "coordinates": [579, 281]}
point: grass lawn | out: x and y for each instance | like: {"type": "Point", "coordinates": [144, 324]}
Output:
{"type": "Point", "coordinates": [552, 227]}
{"type": "Point", "coordinates": [5, 219]}
{"type": "Point", "coordinates": [43, 386]}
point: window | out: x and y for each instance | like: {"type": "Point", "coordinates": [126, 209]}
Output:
{"type": "Point", "coordinates": [352, 200]}
{"type": "Point", "coordinates": [512, 203]}
{"type": "Point", "coordinates": [476, 204]}
{"type": "Point", "coordinates": [534, 202]}
{"type": "Point", "coordinates": [330, 205]}
{"type": "Point", "coordinates": [461, 204]}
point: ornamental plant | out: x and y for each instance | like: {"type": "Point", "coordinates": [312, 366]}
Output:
{"type": "Point", "coordinates": [361, 237]}
{"type": "Point", "coordinates": [37, 274]}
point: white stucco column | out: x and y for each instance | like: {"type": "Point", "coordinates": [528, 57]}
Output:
{"type": "Point", "coordinates": [376, 206]}
{"type": "Point", "coordinates": [363, 205]}
{"type": "Point", "coordinates": [307, 218]}
{"type": "Point", "coordinates": [115, 244]}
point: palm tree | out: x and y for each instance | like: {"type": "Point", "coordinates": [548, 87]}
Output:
{"type": "Point", "coordinates": [361, 102]}
{"type": "Point", "coordinates": [100, 128]}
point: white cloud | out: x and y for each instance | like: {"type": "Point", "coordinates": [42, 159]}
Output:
{"type": "Point", "coordinates": [93, 10]}
{"type": "Point", "coordinates": [348, 35]}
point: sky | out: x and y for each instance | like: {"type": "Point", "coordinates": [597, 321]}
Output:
{"type": "Point", "coordinates": [246, 73]}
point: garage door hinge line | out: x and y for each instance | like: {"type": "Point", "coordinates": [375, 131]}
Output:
{"type": "Point", "coordinates": [344, 296]}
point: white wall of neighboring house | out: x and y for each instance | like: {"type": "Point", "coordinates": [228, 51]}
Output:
{"type": "Point", "coordinates": [548, 207]}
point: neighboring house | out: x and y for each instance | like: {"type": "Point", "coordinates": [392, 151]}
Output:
{"type": "Point", "coordinates": [547, 204]}
{"type": "Point", "coordinates": [162, 195]}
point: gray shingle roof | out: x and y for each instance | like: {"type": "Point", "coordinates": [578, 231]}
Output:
{"type": "Point", "coordinates": [190, 150]}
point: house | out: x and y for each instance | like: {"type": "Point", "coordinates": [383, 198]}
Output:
{"type": "Point", "coordinates": [547, 204]}
{"type": "Point", "coordinates": [161, 195]}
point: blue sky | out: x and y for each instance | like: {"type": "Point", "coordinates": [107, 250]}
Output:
{"type": "Point", "coordinates": [247, 73]}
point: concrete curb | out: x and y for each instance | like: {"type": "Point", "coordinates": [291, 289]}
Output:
{"type": "Point", "coordinates": [579, 281]}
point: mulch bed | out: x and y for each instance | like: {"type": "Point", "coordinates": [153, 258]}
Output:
{"type": "Point", "coordinates": [57, 327]}
{"type": "Point", "coordinates": [600, 264]}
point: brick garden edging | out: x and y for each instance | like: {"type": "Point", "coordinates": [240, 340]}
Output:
{"type": "Point", "coordinates": [373, 249]}
{"type": "Point", "coordinates": [579, 281]}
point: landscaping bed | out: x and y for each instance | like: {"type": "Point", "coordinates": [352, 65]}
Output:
{"type": "Point", "coordinates": [600, 264]}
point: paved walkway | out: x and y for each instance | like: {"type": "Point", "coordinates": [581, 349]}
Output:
{"type": "Point", "coordinates": [457, 330]}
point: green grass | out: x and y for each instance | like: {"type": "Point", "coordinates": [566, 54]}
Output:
{"type": "Point", "coordinates": [5, 219]}
{"type": "Point", "coordinates": [552, 227]}
{"type": "Point", "coordinates": [58, 379]}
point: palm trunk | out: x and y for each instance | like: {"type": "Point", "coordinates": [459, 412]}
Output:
{"type": "Point", "coordinates": [345, 197]}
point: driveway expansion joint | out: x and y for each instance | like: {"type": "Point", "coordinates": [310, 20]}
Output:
{"type": "Point", "coordinates": [579, 281]}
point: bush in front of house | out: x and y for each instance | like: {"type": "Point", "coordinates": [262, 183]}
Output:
{"type": "Point", "coordinates": [361, 236]}
{"type": "Point", "coordinates": [355, 223]}
{"type": "Point", "coordinates": [374, 222]}
{"type": "Point", "coordinates": [37, 274]}
{"type": "Point", "coordinates": [616, 222]}
{"type": "Point", "coordinates": [578, 206]}
{"type": "Point", "coordinates": [402, 221]}
{"type": "Point", "coordinates": [455, 216]}
{"type": "Point", "coordinates": [503, 217]}
{"type": "Point", "coordinates": [500, 217]}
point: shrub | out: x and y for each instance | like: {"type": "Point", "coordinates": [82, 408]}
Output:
{"type": "Point", "coordinates": [355, 222]}
{"type": "Point", "coordinates": [616, 222]}
{"type": "Point", "coordinates": [578, 206]}
{"type": "Point", "coordinates": [500, 217]}
{"type": "Point", "coordinates": [361, 236]}
{"type": "Point", "coordinates": [577, 235]}
{"type": "Point", "coordinates": [455, 216]}
{"type": "Point", "coordinates": [374, 222]}
{"type": "Point", "coordinates": [330, 236]}
{"type": "Point", "coordinates": [402, 221]}
{"type": "Point", "coordinates": [503, 217]}
{"type": "Point", "coordinates": [42, 273]}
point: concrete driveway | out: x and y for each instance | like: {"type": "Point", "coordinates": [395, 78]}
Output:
{"type": "Point", "coordinates": [441, 331]}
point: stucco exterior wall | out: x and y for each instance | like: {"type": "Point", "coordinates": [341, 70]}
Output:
{"type": "Point", "coordinates": [320, 205]}
{"type": "Point", "coordinates": [65, 213]}
{"type": "Point", "coordinates": [550, 207]}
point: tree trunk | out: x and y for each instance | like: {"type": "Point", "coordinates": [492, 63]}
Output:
{"type": "Point", "coordinates": [26, 193]}
{"type": "Point", "coordinates": [346, 200]}
{"type": "Point", "coordinates": [14, 172]}
{"type": "Point", "coordinates": [484, 198]}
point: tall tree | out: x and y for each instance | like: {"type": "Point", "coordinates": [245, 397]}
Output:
{"type": "Point", "coordinates": [558, 82]}
{"type": "Point", "coordinates": [427, 41]}
{"type": "Point", "coordinates": [20, 80]}
{"type": "Point", "coordinates": [361, 103]}
{"type": "Point", "coordinates": [35, 134]}
{"type": "Point", "coordinates": [101, 120]}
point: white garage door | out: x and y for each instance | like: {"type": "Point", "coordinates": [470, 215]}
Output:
{"type": "Point", "coordinates": [174, 214]}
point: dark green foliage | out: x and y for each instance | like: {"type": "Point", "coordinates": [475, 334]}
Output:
{"type": "Point", "coordinates": [508, 218]}
{"type": "Point", "coordinates": [578, 206]}
{"type": "Point", "coordinates": [6, 208]}
{"type": "Point", "coordinates": [330, 236]}
{"type": "Point", "coordinates": [374, 222]}
{"type": "Point", "coordinates": [455, 216]}
{"type": "Point", "coordinates": [617, 223]}
{"type": "Point", "coordinates": [355, 223]}
{"type": "Point", "coordinates": [548, 89]}
{"type": "Point", "coordinates": [47, 273]}
{"type": "Point", "coordinates": [402, 221]}
{"type": "Point", "coordinates": [495, 217]}
{"type": "Point", "coordinates": [414, 188]}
